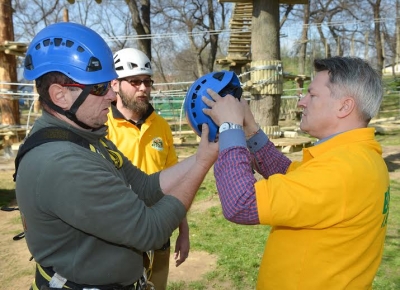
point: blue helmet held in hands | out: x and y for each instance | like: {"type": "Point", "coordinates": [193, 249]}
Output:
{"type": "Point", "coordinates": [222, 82]}
{"type": "Point", "coordinates": [72, 49]}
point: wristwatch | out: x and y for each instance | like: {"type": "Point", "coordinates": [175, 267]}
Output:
{"type": "Point", "coordinates": [227, 125]}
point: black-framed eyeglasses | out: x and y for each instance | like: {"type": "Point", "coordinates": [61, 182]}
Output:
{"type": "Point", "coordinates": [97, 89]}
{"type": "Point", "coordinates": [137, 82]}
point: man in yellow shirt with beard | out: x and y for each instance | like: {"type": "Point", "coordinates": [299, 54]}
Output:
{"type": "Point", "coordinates": [146, 139]}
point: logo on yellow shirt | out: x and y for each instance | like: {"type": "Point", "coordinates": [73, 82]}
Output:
{"type": "Point", "coordinates": [157, 144]}
{"type": "Point", "coordinates": [385, 211]}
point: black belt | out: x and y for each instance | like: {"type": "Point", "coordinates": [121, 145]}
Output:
{"type": "Point", "coordinates": [166, 245]}
{"type": "Point", "coordinates": [41, 280]}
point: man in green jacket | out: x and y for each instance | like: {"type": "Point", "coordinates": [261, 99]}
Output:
{"type": "Point", "coordinates": [88, 213]}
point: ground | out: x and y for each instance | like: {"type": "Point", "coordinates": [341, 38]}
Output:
{"type": "Point", "coordinates": [15, 264]}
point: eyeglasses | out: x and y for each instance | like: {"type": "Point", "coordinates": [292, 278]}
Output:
{"type": "Point", "coordinates": [136, 82]}
{"type": "Point", "coordinates": [97, 89]}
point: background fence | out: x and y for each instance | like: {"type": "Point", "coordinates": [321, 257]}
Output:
{"type": "Point", "coordinates": [169, 104]}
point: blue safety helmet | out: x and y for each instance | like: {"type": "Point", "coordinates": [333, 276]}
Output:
{"type": "Point", "coordinates": [72, 49]}
{"type": "Point", "coordinates": [222, 82]}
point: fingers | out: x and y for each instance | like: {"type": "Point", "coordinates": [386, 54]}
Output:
{"type": "Point", "coordinates": [180, 257]}
{"type": "Point", "coordinates": [223, 109]}
{"type": "Point", "coordinates": [204, 131]}
{"type": "Point", "coordinates": [213, 95]}
{"type": "Point", "coordinates": [207, 101]}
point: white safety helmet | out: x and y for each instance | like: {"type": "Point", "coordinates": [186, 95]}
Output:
{"type": "Point", "coordinates": [132, 62]}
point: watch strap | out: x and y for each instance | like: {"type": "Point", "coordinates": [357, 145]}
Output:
{"type": "Point", "coordinates": [228, 126]}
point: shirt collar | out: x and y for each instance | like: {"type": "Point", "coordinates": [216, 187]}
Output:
{"type": "Point", "coordinates": [118, 115]}
{"type": "Point", "coordinates": [341, 139]}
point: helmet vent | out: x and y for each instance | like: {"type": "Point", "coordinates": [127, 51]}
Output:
{"type": "Point", "coordinates": [94, 64]}
{"type": "Point", "coordinates": [219, 76]}
{"type": "Point", "coordinates": [57, 41]}
{"type": "Point", "coordinates": [28, 62]}
{"type": "Point", "coordinates": [132, 65]}
{"type": "Point", "coordinates": [69, 43]}
{"type": "Point", "coordinates": [46, 42]}
{"type": "Point", "coordinates": [80, 49]}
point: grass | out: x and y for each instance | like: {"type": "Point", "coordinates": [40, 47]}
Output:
{"type": "Point", "coordinates": [388, 277]}
{"type": "Point", "coordinates": [390, 106]}
{"type": "Point", "coordinates": [390, 138]}
{"type": "Point", "coordinates": [7, 189]}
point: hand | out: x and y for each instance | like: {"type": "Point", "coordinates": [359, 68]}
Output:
{"type": "Point", "coordinates": [207, 152]}
{"type": "Point", "coordinates": [224, 109]}
{"type": "Point", "coordinates": [182, 247]}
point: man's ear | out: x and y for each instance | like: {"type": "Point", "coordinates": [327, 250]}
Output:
{"type": "Point", "coordinates": [347, 105]}
{"type": "Point", "coordinates": [115, 86]}
{"type": "Point", "coordinates": [57, 96]}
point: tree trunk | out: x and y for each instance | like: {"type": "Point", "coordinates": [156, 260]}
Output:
{"type": "Point", "coordinates": [266, 62]}
{"type": "Point", "coordinates": [304, 40]}
{"type": "Point", "coordinates": [377, 35]}
{"type": "Point", "coordinates": [8, 72]}
{"type": "Point", "coordinates": [141, 23]}
{"type": "Point", "coordinates": [213, 37]}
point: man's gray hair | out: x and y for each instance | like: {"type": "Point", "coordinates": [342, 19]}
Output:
{"type": "Point", "coordinates": [354, 77]}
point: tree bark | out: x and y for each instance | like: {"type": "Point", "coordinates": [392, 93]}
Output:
{"type": "Point", "coordinates": [141, 23]}
{"type": "Point", "coordinates": [213, 37]}
{"type": "Point", "coordinates": [304, 40]}
{"type": "Point", "coordinates": [8, 72]}
{"type": "Point", "coordinates": [265, 47]}
{"type": "Point", "coordinates": [377, 35]}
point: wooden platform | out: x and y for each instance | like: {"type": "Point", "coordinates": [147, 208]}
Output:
{"type": "Point", "coordinates": [294, 144]}
{"type": "Point", "coordinates": [284, 144]}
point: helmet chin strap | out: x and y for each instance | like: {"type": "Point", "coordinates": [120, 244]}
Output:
{"type": "Point", "coordinates": [71, 113]}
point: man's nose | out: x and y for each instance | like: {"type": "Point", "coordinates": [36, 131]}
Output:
{"type": "Point", "coordinates": [111, 95]}
{"type": "Point", "coordinates": [302, 102]}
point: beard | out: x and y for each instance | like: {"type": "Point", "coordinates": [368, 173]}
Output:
{"type": "Point", "coordinates": [139, 107]}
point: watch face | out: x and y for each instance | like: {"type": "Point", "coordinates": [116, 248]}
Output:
{"type": "Point", "coordinates": [224, 126]}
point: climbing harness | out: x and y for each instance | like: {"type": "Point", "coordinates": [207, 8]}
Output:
{"type": "Point", "coordinates": [52, 134]}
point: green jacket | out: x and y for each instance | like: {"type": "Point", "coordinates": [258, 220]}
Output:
{"type": "Point", "coordinates": [84, 217]}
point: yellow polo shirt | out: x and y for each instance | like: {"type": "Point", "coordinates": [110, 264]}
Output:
{"type": "Point", "coordinates": [328, 215]}
{"type": "Point", "coordinates": [150, 148]}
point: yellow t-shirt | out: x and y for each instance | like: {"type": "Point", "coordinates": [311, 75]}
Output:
{"type": "Point", "coordinates": [328, 215]}
{"type": "Point", "coordinates": [150, 148]}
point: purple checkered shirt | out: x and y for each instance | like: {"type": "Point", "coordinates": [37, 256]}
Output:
{"type": "Point", "coordinates": [234, 176]}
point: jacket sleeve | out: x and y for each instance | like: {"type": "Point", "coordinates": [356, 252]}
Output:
{"type": "Point", "coordinates": [94, 197]}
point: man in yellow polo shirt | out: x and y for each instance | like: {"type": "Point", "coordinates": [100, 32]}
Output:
{"type": "Point", "coordinates": [328, 212]}
{"type": "Point", "coordinates": [146, 139]}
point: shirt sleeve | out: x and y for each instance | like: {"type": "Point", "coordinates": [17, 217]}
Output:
{"type": "Point", "coordinates": [266, 159]}
{"type": "Point", "coordinates": [234, 173]}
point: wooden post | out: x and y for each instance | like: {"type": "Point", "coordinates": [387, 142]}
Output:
{"type": "Point", "coordinates": [8, 67]}
{"type": "Point", "coordinates": [66, 15]}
